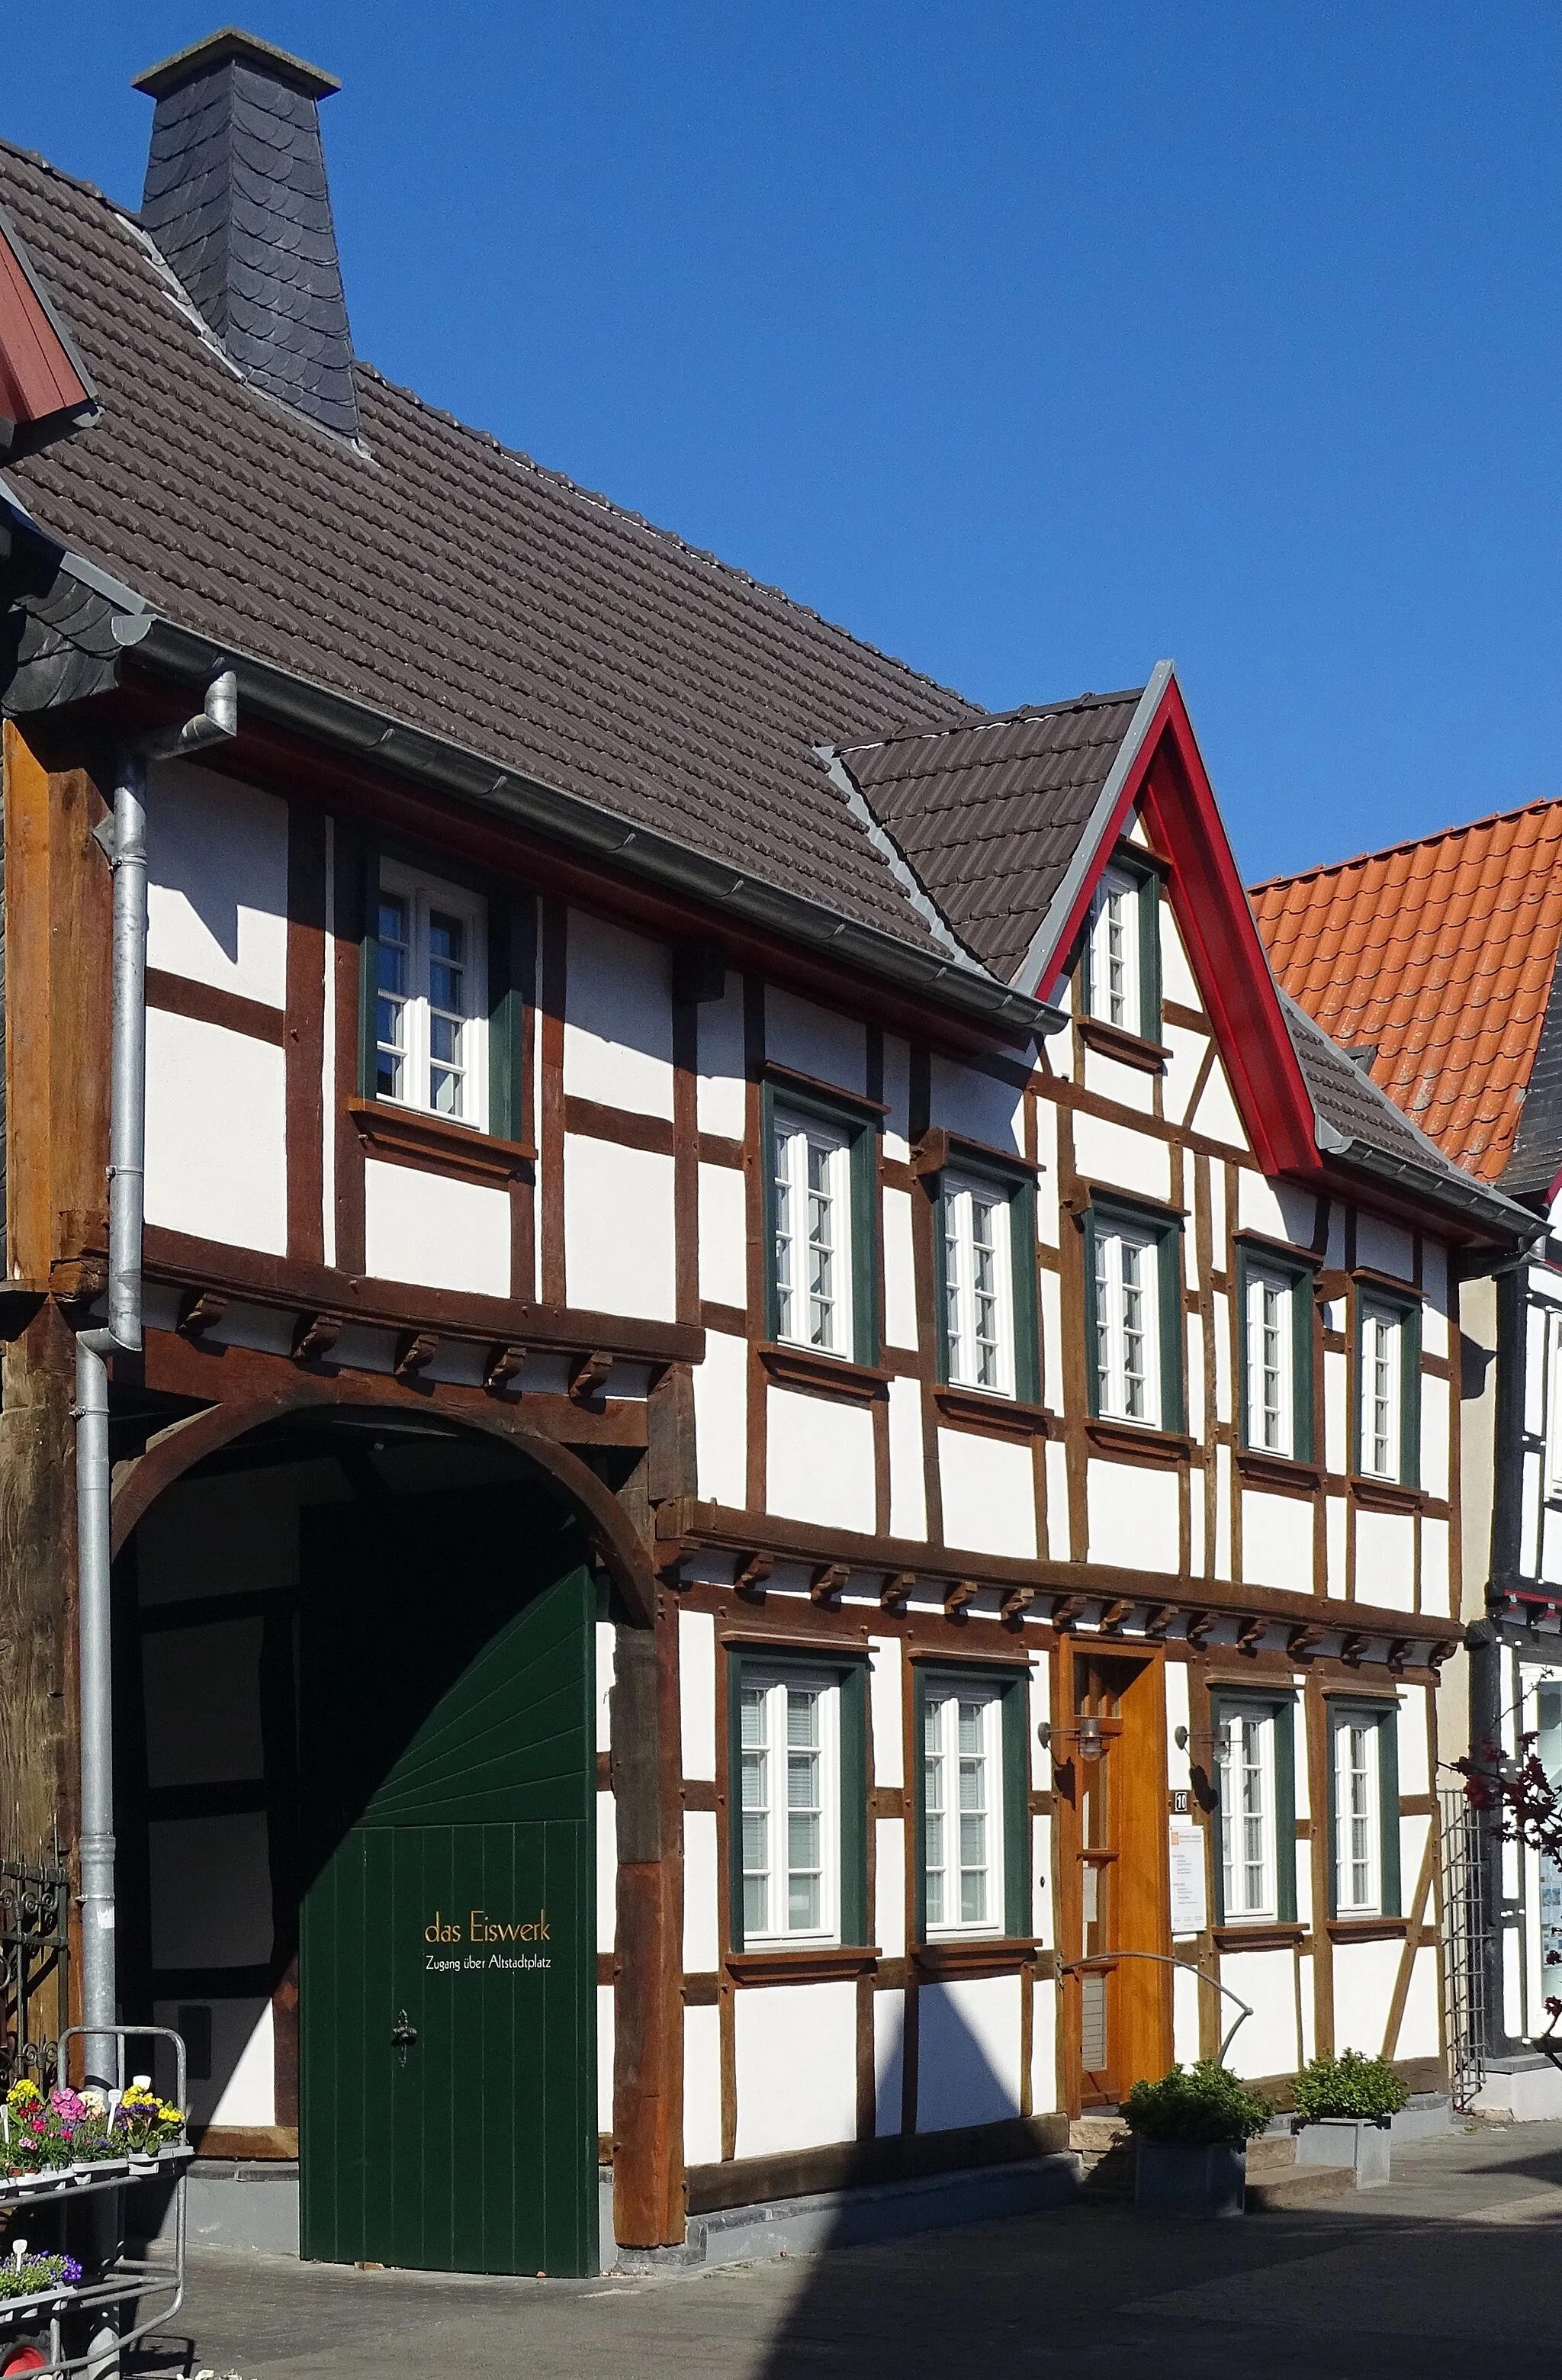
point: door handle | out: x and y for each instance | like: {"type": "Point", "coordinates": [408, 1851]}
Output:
{"type": "Point", "coordinates": [402, 2035]}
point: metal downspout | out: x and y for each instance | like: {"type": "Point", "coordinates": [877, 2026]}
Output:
{"type": "Point", "coordinates": [128, 857]}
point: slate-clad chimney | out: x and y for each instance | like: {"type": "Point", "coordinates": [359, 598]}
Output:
{"type": "Point", "coordinates": [237, 200]}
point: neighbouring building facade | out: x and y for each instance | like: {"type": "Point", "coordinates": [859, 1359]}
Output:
{"type": "Point", "coordinates": [1436, 962]}
{"type": "Point", "coordinates": [793, 1487]}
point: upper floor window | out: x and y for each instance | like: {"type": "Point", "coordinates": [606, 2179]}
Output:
{"type": "Point", "coordinates": [1388, 1388]}
{"type": "Point", "coordinates": [1364, 1809]}
{"type": "Point", "coordinates": [1276, 1302]}
{"type": "Point", "coordinates": [430, 997]}
{"type": "Point", "coordinates": [1554, 1405]}
{"type": "Point", "coordinates": [978, 1294]}
{"type": "Point", "coordinates": [1121, 957]}
{"type": "Point", "coordinates": [1133, 1303]}
{"type": "Point", "coordinates": [820, 1186]}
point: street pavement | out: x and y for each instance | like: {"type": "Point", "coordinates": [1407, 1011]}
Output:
{"type": "Point", "coordinates": [1452, 2269]}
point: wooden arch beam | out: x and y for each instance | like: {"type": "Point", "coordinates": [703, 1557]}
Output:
{"type": "Point", "coordinates": [139, 1483]}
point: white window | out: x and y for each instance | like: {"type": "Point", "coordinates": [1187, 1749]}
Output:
{"type": "Point", "coordinates": [1271, 1362]}
{"type": "Point", "coordinates": [962, 1811]}
{"type": "Point", "coordinates": [978, 1288]}
{"type": "Point", "coordinates": [1246, 1763]}
{"type": "Point", "coordinates": [1358, 1849]}
{"type": "Point", "coordinates": [430, 1025]}
{"type": "Point", "coordinates": [1127, 1324]}
{"type": "Point", "coordinates": [1553, 1406]}
{"type": "Point", "coordinates": [1115, 993]}
{"type": "Point", "coordinates": [1382, 1388]}
{"type": "Point", "coordinates": [789, 1754]}
{"type": "Point", "coordinates": [813, 1188]}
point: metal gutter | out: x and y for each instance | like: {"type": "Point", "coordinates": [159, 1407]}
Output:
{"type": "Point", "coordinates": [350, 726]}
{"type": "Point", "coordinates": [1498, 1214]}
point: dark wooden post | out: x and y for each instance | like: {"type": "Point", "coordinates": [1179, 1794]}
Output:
{"type": "Point", "coordinates": [37, 1583]}
{"type": "Point", "coordinates": [649, 2013]}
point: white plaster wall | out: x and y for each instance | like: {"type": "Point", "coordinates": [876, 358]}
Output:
{"type": "Point", "coordinates": [702, 2086]}
{"type": "Point", "coordinates": [1434, 1435]}
{"type": "Point", "coordinates": [723, 1235]}
{"type": "Point", "coordinates": [897, 1097]}
{"type": "Point", "coordinates": [886, 1708]}
{"type": "Point", "coordinates": [1306, 1986]}
{"type": "Point", "coordinates": [1186, 1994]}
{"type": "Point", "coordinates": [1222, 1512]}
{"type": "Point", "coordinates": [890, 1895]}
{"type": "Point", "coordinates": [1058, 1545]}
{"type": "Point", "coordinates": [1187, 1049]}
{"type": "Point", "coordinates": [1177, 975]}
{"type": "Point", "coordinates": [1277, 1541]}
{"type": "Point", "coordinates": [444, 1234]}
{"type": "Point", "coordinates": [1196, 1493]}
{"type": "Point", "coordinates": [217, 881]}
{"type": "Point", "coordinates": [242, 2085]}
{"type": "Point", "coordinates": [1216, 1175]}
{"type": "Point", "coordinates": [702, 1933]}
{"type": "Point", "coordinates": [963, 1100]}
{"type": "Point", "coordinates": [1434, 1587]}
{"type": "Point", "coordinates": [1386, 1559]}
{"type": "Point", "coordinates": [720, 1095]}
{"type": "Point", "coordinates": [1266, 2042]}
{"type": "Point", "coordinates": [1194, 1345]}
{"type": "Point", "coordinates": [606, 1667]}
{"type": "Point", "coordinates": [696, 1693]}
{"type": "Point", "coordinates": [606, 1871]}
{"type": "Point", "coordinates": [888, 2059]}
{"type": "Point", "coordinates": [618, 1229]}
{"type": "Point", "coordinates": [1383, 1246]}
{"type": "Point", "coordinates": [1046, 1215]}
{"type": "Point", "coordinates": [989, 1493]}
{"type": "Point", "coordinates": [899, 1271]}
{"type": "Point", "coordinates": [1419, 2034]}
{"type": "Point", "coordinates": [1334, 1534]}
{"type": "Point", "coordinates": [618, 1017]}
{"type": "Point", "coordinates": [216, 1134]}
{"type": "Point", "coordinates": [968, 2052]}
{"type": "Point", "coordinates": [1051, 1289]}
{"type": "Point", "coordinates": [1414, 1748]}
{"type": "Point", "coordinates": [1337, 1412]}
{"type": "Point", "coordinates": [908, 1485]}
{"type": "Point", "coordinates": [1364, 1975]}
{"type": "Point", "coordinates": [605, 2015]}
{"type": "Point", "coordinates": [720, 1385]}
{"type": "Point", "coordinates": [1115, 1153]}
{"type": "Point", "coordinates": [814, 1040]}
{"type": "Point", "coordinates": [1044, 2048]}
{"type": "Point", "coordinates": [1275, 1208]}
{"type": "Point", "coordinates": [1126, 1087]}
{"type": "Point", "coordinates": [818, 1460]}
{"type": "Point", "coordinates": [1215, 1116]}
{"type": "Point", "coordinates": [1133, 1516]}
{"type": "Point", "coordinates": [796, 2067]}
{"type": "Point", "coordinates": [1220, 1311]}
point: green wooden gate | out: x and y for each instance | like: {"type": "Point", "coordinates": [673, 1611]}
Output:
{"type": "Point", "coordinates": [447, 1967]}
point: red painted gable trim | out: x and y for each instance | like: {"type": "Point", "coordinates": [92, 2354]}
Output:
{"type": "Point", "coordinates": [42, 390]}
{"type": "Point", "coordinates": [1171, 789]}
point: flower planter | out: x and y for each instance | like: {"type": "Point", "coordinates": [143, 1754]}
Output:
{"type": "Point", "coordinates": [1360, 2142]}
{"type": "Point", "coordinates": [1194, 2179]}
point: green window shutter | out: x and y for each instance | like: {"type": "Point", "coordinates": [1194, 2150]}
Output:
{"type": "Point", "coordinates": [368, 970]}
{"type": "Point", "coordinates": [1301, 1318]}
{"type": "Point", "coordinates": [1285, 1812]}
{"type": "Point", "coordinates": [1217, 1718]}
{"type": "Point", "coordinates": [1086, 976]}
{"type": "Point", "coordinates": [1332, 1752]}
{"type": "Point", "coordinates": [1023, 1273]}
{"type": "Point", "coordinates": [1016, 1807]}
{"type": "Point", "coordinates": [1244, 1390]}
{"type": "Point", "coordinates": [1388, 1808]}
{"type": "Point", "coordinates": [767, 1180]}
{"type": "Point", "coordinates": [506, 1011]}
{"type": "Point", "coordinates": [1410, 1397]}
{"type": "Point", "coordinates": [1168, 1267]}
{"type": "Point", "coordinates": [865, 1243]}
{"type": "Point", "coordinates": [940, 1281]}
{"type": "Point", "coordinates": [734, 1799]}
{"type": "Point", "coordinates": [918, 1847]}
{"type": "Point", "coordinates": [855, 1918]}
{"type": "Point", "coordinates": [1092, 1315]}
{"type": "Point", "coordinates": [1149, 955]}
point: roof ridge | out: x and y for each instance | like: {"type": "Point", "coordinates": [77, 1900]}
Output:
{"type": "Point", "coordinates": [518, 456]}
{"type": "Point", "coordinates": [1410, 842]}
{"type": "Point", "coordinates": [1020, 716]}
{"type": "Point", "coordinates": [72, 181]}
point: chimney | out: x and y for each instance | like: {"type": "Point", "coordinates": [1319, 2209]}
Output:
{"type": "Point", "coordinates": [237, 200]}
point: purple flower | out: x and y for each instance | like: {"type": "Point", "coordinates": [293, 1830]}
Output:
{"type": "Point", "coordinates": [70, 2270]}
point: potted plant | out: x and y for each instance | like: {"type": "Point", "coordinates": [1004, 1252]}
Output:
{"type": "Point", "coordinates": [1191, 2133]}
{"type": "Point", "coordinates": [1344, 2108]}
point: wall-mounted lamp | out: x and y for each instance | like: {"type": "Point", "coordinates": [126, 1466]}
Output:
{"type": "Point", "coordinates": [1044, 1733]}
{"type": "Point", "coordinates": [1090, 1739]}
{"type": "Point", "coordinates": [1219, 1739]}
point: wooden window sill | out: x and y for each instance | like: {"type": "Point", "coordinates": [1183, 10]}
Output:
{"type": "Point", "coordinates": [1133, 1441]}
{"type": "Point", "coordinates": [823, 1375]}
{"type": "Point", "coordinates": [939, 1148]}
{"type": "Point", "coordinates": [1368, 1929]}
{"type": "Point", "coordinates": [435, 1145]}
{"type": "Point", "coordinates": [989, 1409]}
{"type": "Point", "coordinates": [1386, 1494]}
{"type": "Point", "coordinates": [1259, 1934]}
{"type": "Point", "coordinates": [818, 1962]}
{"type": "Point", "coordinates": [1129, 1048]}
{"type": "Point", "coordinates": [976, 1954]}
{"type": "Point", "coordinates": [1284, 1472]}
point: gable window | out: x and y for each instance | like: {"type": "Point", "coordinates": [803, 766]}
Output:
{"type": "Point", "coordinates": [1363, 1809]}
{"type": "Point", "coordinates": [1388, 1388]}
{"type": "Point", "coordinates": [820, 1181]}
{"type": "Point", "coordinates": [1121, 974]}
{"type": "Point", "coordinates": [972, 1806]}
{"type": "Point", "coordinates": [1256, 1785]}
{"type": "Point", "coordinates": [1276, 1350]}
{"type": "Point", "coordinates": [430, 997]}
{"type": "Point", "coordinates": [1133, 1298]}
{"type": "Point", "coordinates": [798, 1794]}
{"type": "Point", "coordinates": [986, 1255]}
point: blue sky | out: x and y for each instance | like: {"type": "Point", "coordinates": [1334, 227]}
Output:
{"type": "Point", "coordinates": [1031, 341]}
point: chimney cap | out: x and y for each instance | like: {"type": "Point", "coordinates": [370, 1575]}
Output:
{"type": "Point", "coordinates": [217, 48]}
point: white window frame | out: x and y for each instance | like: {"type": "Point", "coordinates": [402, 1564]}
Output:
{"type": "Point", "coordinates": [941, 1711]}
{"type": "Point", "coordinates": [1554, 1403]}
{"type": "Point", "coordinates": [794, 1139]}
{"type": "Point", "coordinates": [1263, 1282]}
{"type": "Point", "coordinates": [1348, 1818]}
{"type": "Point", "coordinates": [1116, 991]}
{"type": "Point", "coordinates": [1377, 1317]}
{"type": "Point", "coordinates": [774, 1686]}
{"type": "Point", "coordinates": [424, 896]}
{"type": "Point", "coordinates": [964, 1307]}
{"type": "Point", "coordinates": [1250, 1730]}
{"type": "Point", "coordinates": [1110, 1356]}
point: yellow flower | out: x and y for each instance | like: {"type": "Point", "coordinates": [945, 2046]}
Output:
{"type": "Point", "coordinates": [23, 2095]}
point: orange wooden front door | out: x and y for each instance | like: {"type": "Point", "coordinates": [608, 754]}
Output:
{"type": "Point", "coordinates": [1110, 1769]}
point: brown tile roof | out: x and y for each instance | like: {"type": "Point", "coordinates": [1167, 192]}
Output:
{"type": "Point", "coordinates": [1440, 953]}
{"type": "Point", "coordinates": [456, 585]}
{"type": "Point", "coordinates": [989, 812]}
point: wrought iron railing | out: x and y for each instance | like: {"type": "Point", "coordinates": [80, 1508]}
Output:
{"type": "Point", "coordinates": [34, 1962]}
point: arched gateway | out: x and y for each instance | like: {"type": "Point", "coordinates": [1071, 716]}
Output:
{"type": "Point", "coordinates": [356, 1813]}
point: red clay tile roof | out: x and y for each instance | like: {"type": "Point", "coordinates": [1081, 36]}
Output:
{"type": "Point", "coordinates": [1439, 954]}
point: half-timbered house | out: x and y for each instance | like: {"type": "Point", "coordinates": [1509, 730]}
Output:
{"type": "Point", "coordinates": [785, 1493]}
